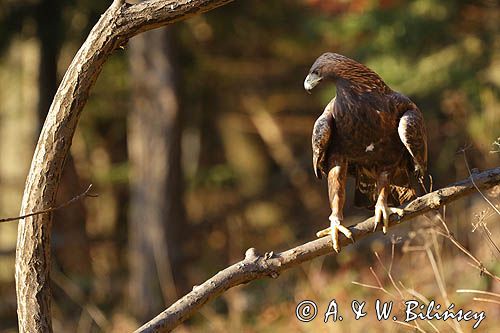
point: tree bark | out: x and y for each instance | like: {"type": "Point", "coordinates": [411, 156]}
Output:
{"type": "Point", "coordinates": [119, 23]}
{"type": "Point", "coordinates": [256, 266]}
{"type": "Point", "coordinates": [70, 239]}
{"type": "Point", "coordinates": [156, 205]}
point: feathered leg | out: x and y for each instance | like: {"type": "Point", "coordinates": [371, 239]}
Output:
{"type": "Point", "coordinates": [382, 210]}
{"type": "Point", "coordinates": [336, 192]}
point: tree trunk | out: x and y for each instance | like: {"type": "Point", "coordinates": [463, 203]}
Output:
{"type": "Point", "coordinates": [49, 25]}
{"type": "Point", "coordinates": [156, 205]}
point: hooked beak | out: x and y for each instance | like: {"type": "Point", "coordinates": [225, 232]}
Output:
{"type": "Point", "coordinates": [311, 81]}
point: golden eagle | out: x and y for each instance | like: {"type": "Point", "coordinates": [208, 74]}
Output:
{"type": "Point", "coordinates": [370, 132]}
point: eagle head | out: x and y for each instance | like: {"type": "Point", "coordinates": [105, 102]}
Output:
{"type": "Point", "coordinates": [341, 69]}
{"type": "Point", "coordinates": [323, 68]}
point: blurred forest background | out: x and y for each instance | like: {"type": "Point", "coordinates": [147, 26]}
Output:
{"type": "Point", "coordinates": [197, 140]}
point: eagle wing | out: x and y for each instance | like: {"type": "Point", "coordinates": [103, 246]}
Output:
{"type": "Point", "coordinates": [412, 132]}
{"type": "Point", "coordinates": [321, 136]}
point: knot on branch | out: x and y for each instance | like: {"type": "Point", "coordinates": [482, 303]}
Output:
{"type": "Point", "coordinates": [118, 3]}
{"type": "Point", "coordinates": [268, 255]}
{"type": "Point", "coordinates": [436, 202]}
{"type": "Point", "coordinates": [251, 254]}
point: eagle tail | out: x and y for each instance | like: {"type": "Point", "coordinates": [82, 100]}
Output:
{"type": "Point", "coordinates": [365, 194]}
{"type": "Point", "coordinates": [401, 194]}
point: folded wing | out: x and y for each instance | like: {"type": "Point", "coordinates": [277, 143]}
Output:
{"type": "Point", "coordinates": [321, 136]}
{"type": "Point", "coordinates": [412, 133]}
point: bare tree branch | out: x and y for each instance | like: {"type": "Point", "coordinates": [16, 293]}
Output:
{"type": "Point", "coordinates": [119, 23]}
{"type": "Point", "coordinates": [256, 266]}
{"type": "Point", "coordinates": [49, 210]}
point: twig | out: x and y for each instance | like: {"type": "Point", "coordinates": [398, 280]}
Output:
{"type": "Point", "coordinates": [380, 286]}
{"type": "Point", "coordinates": [437, 276]}
{"type": "Point", "coordinates": [48, 210]}
{"type": "Point", "coordinates": [479, 299]}
{"type": "Point", "coordinates": [366, 285]}
{"type": "Point", "coordinates": [486, 300]}
{"type": "Point", "coordinates": [415, 293]}
{"type": "Point", "coordinates": [441, 285]}
{"type": "Point", "coordinates": [477, 188]}
{"type": "Point", "coordinates": [478, 264]}
{"type": "Point", "coordinates": [447, 234]}
{"type": "Point", "coordinates": [379, 283]}
{"type": "Point", "coordinates": [409, 326]}
{"type": "Point", "coordinates": [256, 266]}
{"type": "Point", "coordinates": [472, 291]}
{"type": "Point", "coordinates": [432, 325]}
{"type": "Point", "coordinates": [389, 271]}
{"type": "Point", "coordinates": [482, 217]}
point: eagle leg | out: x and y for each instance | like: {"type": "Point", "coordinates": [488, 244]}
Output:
{"type": "Point", "coordinates": [382, 210]}
{"type": "Point", "coordinates": [336, 192]}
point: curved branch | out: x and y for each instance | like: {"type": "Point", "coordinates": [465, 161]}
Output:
{"type": "Point", "coordinates": [119, 23]}
{"type": "Point", "coordinates": [256, 266]}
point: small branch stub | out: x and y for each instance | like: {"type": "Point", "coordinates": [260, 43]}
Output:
{"type": "Point", "coordinates": [251, 254]}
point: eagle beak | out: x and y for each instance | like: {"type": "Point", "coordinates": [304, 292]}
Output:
{"type": "Point", "coordinates": [311, 81]}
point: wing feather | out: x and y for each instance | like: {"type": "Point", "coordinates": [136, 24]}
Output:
{"type": "Point", "coordinates": [321, 137]}
{"type": "Point", "coordinates": [412, 132]}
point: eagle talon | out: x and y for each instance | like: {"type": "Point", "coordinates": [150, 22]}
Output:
{"type": "Point", "coordinates": [333, 230]}
{"type": "Point", "coordinates": [324, 232]}
{"type": "Point", "coordinates": [383, 214]}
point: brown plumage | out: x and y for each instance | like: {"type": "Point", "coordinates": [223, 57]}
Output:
{"type": "Point", "coordinates": [367, 131]}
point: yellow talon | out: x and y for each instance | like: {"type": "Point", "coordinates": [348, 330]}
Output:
{"type": "Point", "coordinates": [382, 215]}
{"type": "Point", "coordinates": [333, 230]}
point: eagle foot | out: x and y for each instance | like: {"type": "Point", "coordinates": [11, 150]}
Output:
{"type": "Point", "coordinates": [333, 230]}
{"type": "Point", "coordinates": [382, 215]}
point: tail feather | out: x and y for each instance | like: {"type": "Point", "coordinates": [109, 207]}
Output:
{"type": "Point", "coordinates": [401, 194]}
{"type": "Point", "coordinates": [365, 194]}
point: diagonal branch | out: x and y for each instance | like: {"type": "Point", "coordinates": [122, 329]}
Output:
{"type": "Point", "coordinates": [256, 266]}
